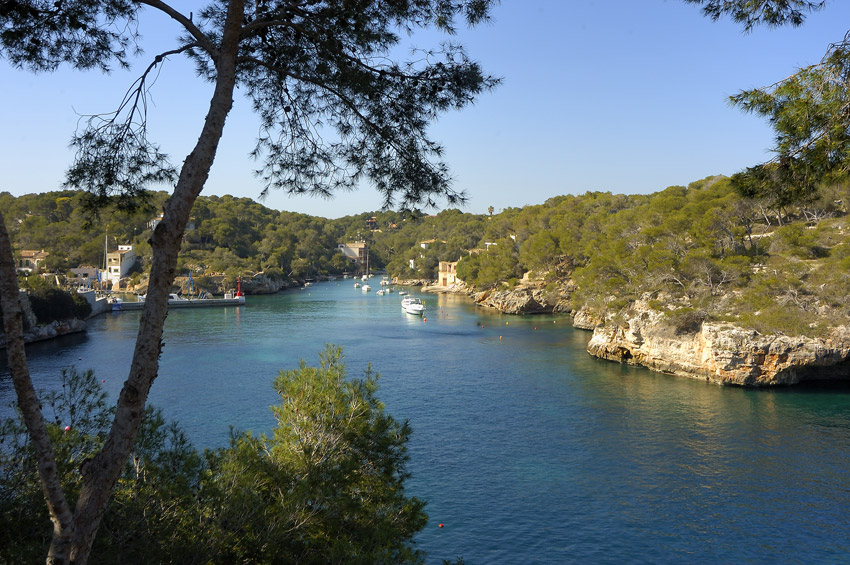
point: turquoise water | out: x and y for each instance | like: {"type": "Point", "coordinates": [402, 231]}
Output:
{"type": "Point", "coordinates": [527, 449]}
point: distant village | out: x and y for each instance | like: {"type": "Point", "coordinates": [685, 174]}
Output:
{"type": "Point", "coordinates": [119, 263]}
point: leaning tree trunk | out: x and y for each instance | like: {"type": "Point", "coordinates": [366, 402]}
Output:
{"type": "Point", "coordinates": [101, 473]}
{"type": "Point", "coordinates": [60, 512]}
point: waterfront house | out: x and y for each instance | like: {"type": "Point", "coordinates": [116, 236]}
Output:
{"type": "Point", "coordinates": [119, 263]}
{"type": "Point", "coordinates": [447, 275]}
{"type": "Point", "coordinates": [356, 252]}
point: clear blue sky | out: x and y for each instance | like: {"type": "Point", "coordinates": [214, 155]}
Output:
{"type": "Point", "coordinates": [621, 95]}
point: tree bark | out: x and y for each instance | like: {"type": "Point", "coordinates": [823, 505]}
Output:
{"type": "Point", "coordinates": [51, 486]}
{"type": "Point", "coordinates": [101, 473]}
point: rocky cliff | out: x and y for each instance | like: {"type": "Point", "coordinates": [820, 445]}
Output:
{"type": "Point", "coordinates": [515, 301]}
{"type": "Point", "coordinates": [34, 332]}
{"type": "Point", "coordinates": [259, 283]}
{"type": "Point", "coordinates": [719, 352]}
{"type": "Point", "coordinates": [530, 296]}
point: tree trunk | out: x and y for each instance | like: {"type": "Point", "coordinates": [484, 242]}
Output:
{"type": "Point", "coordinates": [51, 486]}
{"type": "Point", "coordinates": [101, 473]}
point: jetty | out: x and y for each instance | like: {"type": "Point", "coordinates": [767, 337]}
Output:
{"type": "Point", "coordinates": [183, 303]}
{"type": "Point", "coordinates": [231, 298]}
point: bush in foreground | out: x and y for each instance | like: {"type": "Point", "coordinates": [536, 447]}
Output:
{"type": "Point", "coordinates": [327, 487]}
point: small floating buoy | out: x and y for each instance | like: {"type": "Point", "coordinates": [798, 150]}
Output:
{"type": "Point", "coordinates": [441, 526]}
{"type": "Point", "coordinates": [535, 328]}
{"type": "Point", "coordinates": [506, 323]}
{"type": "Point", "coordinates": [103, 380]}
{"type": "Point", "coordinates": [424, 319]}
{"type": "Point", "coordinates": [500, 337]}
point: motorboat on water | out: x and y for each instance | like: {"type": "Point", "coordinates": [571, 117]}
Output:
{"type": "Point", "coordinates": [366, 288]}
{"type": "Point", "coordinates": [172, 298]}
{"type": "Point", "coordinates": [413, 305]}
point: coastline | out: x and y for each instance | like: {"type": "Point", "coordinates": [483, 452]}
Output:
{"type": "Point", "coordinates": [721, 353]}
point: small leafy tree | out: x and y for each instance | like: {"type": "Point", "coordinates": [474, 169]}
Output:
{"type": "Point", "coordinates": [327, 487]}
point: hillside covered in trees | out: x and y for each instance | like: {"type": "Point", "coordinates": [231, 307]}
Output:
{"type": "Point", "coordinates": [699, 252]}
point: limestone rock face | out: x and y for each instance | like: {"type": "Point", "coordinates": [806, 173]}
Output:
{"type": "Point", "coordinates": [413, 282]}
{"type": "Point", "coordinates": [525, 299]}
{"type": "Point", "coordinates": [721, 353]}
{"type": "Point", "coordinates": [517, 301]}
{"type": "Point", "coordinates": [260, 283]}
{"type": "Point", "coordinates": [263, 284]}
{"type": "Point", "coordinates": [585, 319]}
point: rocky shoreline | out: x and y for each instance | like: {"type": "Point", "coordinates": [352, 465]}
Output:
{"type": "Point", "coordinates": [528, 297]}
{"type": "Point", "coordinates": [34, 332]}
{"type": "Point", "coordinates": [721, 353]}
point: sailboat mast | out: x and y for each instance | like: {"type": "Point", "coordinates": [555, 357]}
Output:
{"type": "Point", "coordinates": [105, 258]}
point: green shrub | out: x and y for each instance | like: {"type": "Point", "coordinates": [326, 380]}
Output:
{"type": "Point", "coordinates": [327, 487]}
{"type": "Point", "coordinates": [687, 320]}
{"type": "Point", "coordinates": [51, 304]}
{"type": "Point", "coordinates": [82, 308]}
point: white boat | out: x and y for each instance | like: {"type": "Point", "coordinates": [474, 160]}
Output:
{"type": "Point", "coordinates": [402, 292]}
{"type": "Point", "coordinates": [381, 292]}
{"type": "Point", "coordinates": [366, 288]}
{"type": "Point", "coordinates": [356, 285]}
{"type": "Point", "coordinates": [413, 305]}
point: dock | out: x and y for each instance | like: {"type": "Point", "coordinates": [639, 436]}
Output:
{"type": "Point", "coordinates": [184, 303]}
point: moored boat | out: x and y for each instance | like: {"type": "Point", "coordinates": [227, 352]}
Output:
{"type": "Point", "coordinates": [413, 305]}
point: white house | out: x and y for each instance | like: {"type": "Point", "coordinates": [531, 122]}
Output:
{"type": "Point", "coordinates": [119, 263]}
{"type": "Point", "coordinates": [355, 252]}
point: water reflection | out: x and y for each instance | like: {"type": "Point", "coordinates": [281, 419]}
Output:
{"type": "Point", "coordinates": [528, 448]}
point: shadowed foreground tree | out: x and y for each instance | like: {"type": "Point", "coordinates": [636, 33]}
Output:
{"type": "Point", "coordinates": [335, 105]}
{"type": "Point", "coordinates": [327, 487]}
{"type": "Point", "coordinates": [809, 110]}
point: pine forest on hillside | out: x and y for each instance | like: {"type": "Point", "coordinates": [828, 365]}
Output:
{"type": "Point", "coordinates": [699, 252]}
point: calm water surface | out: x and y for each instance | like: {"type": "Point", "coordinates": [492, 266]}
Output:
{"type": "Point", "coordinates": [526, 448]}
